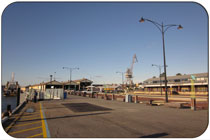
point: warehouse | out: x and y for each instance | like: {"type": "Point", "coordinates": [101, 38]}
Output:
{"type": "Point", "coordinates": [179, 83]}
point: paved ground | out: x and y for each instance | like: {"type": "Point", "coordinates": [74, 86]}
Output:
{"type": "Point", "coordinates": [199, 98]}
{"type": "Point", "coordinates": [111, 119]}
{"type": "Point", "coordinates": [27, 123]}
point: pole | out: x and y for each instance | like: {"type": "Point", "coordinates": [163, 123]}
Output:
{"type": "Point", "coordinates": [122, 79]}
{"type": "Point", "coordinates": [18, 96]}
{"type": "Point", "coordinates": [193, 99]}
{"type": "Point", "coordinates": [160, 79]}
{"type": "Point", "coordinates": [70, 79]}
{"type": "Point", "coordinates": [164, 59]}
{"type": "Point", "coordinates": [162, 30]}
{"type": "Point", "coordinates": [54, 75]}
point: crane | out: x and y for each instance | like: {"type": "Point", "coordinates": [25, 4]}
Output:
{"type": "Point", "coordinates": [129, 72]}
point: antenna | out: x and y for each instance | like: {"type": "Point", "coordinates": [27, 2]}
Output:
{"type": "Point", "coordinates": [13, 77]}
{"type": "Point", "coordinates": [50, 78]}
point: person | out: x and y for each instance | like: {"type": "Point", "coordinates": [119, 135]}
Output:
{"type": "Point", "coordinates": [35, 96]}
{"type": "Point", "coordinates": [26, 97]}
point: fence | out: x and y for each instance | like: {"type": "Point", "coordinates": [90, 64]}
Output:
{"type": "Point", "coordinates": [47, 94]}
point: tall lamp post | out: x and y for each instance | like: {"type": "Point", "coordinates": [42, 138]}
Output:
{"type": "Point", "coordinates": [163, 28]}
{"type": "Point", "coordinates": [122, 76]}
{"type": "Point", "coordinates": [54, 75]}
{"type": "Point", "coordinates": [159, 66]}
{"type": "Point", "coordinates": [70, 70]}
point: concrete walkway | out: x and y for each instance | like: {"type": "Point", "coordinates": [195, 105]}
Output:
{"type": "Point", "coordinates": [27, 123]}
{"type": "Point", "coordinates": [83, 117]}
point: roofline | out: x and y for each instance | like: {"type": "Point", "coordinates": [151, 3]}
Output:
{"type": "Point", "coordinates": [158, 78]}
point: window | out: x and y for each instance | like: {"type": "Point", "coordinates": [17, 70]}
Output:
{"type": "Point", "coordinates": [184, 79]}
{"type": "Point", "coordinates": [177, 80]}
{"type": "Point", "coordinates": [200, 79]}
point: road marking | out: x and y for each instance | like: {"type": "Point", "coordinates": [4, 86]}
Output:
{"type": "Point", "coordinates": [43, 123]}
{"type": "Point", "coordinates": [13, 122]}
{"type": "Point", "coordinates": [25, 130]}
{"type": "Point", "coordinates": [24, 124]}
{"type": "Point", "coordinates": [34, 135]}
{"type": "Point", "coordinates": [29, 119]}
{"type": "Point", "coordinates": [28, 116]}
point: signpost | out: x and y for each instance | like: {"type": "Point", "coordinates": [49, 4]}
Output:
{"type": "Point", "coordinates": [193, 98]}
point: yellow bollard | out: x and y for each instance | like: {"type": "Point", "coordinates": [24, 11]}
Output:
{"type": "Point", "coordinates": [193, 98]}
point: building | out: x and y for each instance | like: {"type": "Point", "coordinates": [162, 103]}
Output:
{"type": "Point", "coordinates": [83, 83]}
{"type": "Point", "coordinates": [46, 85]}
{"type": "Point", "coordinates": [70, 85]}
{"type": "Point", "coordinates": [80, 84]}
{"type": "Point", "coordinates": [181, 84]}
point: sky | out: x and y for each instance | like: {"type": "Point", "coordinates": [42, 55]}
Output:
{"type": "Point", "coordinates": [39, 39]}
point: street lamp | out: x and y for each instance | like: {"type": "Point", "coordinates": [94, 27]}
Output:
{"type": "Point", "coordinates": [92, 78]}
{"type": "Point", "coordinates": [70, 70]}
{"type": "Point", "coordinates": [122, 76]}
{"type": "Point", "coordinates": [159, 66]}
{"type": "Point", "coordinates": [54, 75]}
{"type": "Point", "coordinates": [163, 28]}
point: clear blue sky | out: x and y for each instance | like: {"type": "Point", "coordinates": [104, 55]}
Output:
{"type": "Point", "coordinates": [38, 39]}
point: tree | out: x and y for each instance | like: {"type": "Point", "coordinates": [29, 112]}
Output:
{"type": "Point", "coordinates": [178, 74]}
{"type": "Point", "coordinates": [162, 74]}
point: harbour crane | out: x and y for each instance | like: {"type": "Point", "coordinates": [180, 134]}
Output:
{"type": "Point", "coordinates": [129, 72]}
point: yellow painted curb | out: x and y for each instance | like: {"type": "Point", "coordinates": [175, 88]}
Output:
{"type": "Point", "coordinates": [43, 123]}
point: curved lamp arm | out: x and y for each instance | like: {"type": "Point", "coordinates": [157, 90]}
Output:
{"type": "Point", "coordinates": [155, 23]}
{"type": "Point", "coordinates": [171, 25]}
{"type": "Point", "coordinates": [161, 27]}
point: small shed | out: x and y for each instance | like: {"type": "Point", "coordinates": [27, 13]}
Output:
{"type": "Point", "coordinates": [70, 85]}
{"type": "Point", "coordinates": [53, 85]}
{"type": "Point", "coordinates": [47, 90]}
{"type": "Point", "coordinates": [83, 83]}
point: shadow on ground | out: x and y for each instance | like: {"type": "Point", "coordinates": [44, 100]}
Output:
{"type": "Point", "coordinates": [157, 135]}
{"type": "Point", "coordinates": [61, 117]}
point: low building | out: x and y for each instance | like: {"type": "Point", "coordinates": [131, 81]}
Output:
{"type": "Point", "coordinates": [83, 83]}
{"type": "Point", "coordinates": [47, 90]}
{"type": "Point", "coordinates": [181, 83]}
{"type": "Point", "coordinates": [70, 85]}
{"type": "Point", "coordinates": [46, 85]}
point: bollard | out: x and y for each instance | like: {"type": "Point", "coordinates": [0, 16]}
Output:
{"type": "Point", "coordinates": [105, 97]}
{"type": "Point", "coordinates": [150, 102]}
{"type": "Point", "coordinates": [8, 112]}
{"type": "Point", "coordinates": [18, 96]}
{"type": "Point", "coordinates": [193, 104]}
{"type": "Point", "coordinates": [136, 99]}
{"type": "Point", "coordinates": [112, 96]}
{"type": "Point", "coordinates": [9, 109]}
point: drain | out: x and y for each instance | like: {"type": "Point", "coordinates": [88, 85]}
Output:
{"type": "Point", "coordinates": [30, 110]}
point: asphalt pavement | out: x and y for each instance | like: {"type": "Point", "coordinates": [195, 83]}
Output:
{"type": "Point", "coordinates": [120, 120]}
{"type": "Point", "coordinates": [84, 117]}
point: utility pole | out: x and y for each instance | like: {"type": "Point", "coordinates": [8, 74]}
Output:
{"type": "Point", "coordinates": [70, 73]}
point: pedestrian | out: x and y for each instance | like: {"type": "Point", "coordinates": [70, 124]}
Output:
{"type": "Point", "coordinates": [35, 96]}
{"type": "Point", "coordinates": [26, 97]}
